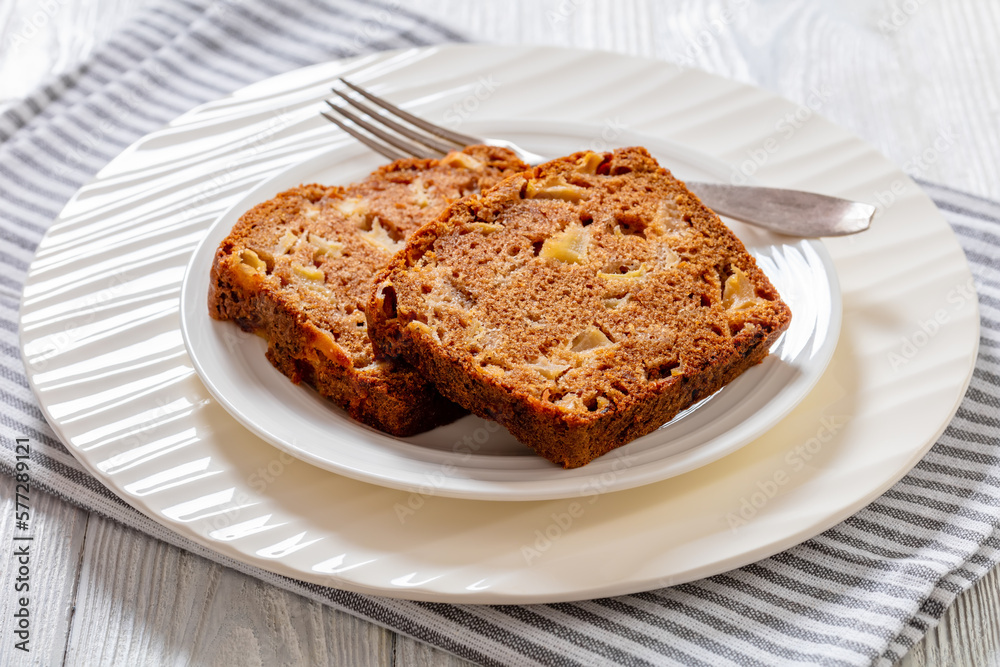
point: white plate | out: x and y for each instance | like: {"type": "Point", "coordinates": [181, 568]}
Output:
{"type": "Point", "coordinates": [102, 345]}
{"type": "Point", "coordinates": [472, 458]}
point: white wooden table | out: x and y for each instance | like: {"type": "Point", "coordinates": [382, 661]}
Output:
{"type": "Point", "coordinates": [900, 74]}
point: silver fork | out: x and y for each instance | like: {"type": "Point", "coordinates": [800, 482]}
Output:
{"type": "Point", "coordinates": [791, 212]}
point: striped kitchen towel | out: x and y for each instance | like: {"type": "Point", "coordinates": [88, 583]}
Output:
{"type": "Point", "coordinates": [860, 593]}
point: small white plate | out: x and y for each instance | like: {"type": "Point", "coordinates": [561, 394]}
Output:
{"type": "Point", "coordinates": [475, 459]}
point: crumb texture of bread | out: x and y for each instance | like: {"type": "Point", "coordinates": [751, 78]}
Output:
{"type": "Point", "coordinates": [298, 269]}
{"type": "Point", "coordinates": [581, 304]}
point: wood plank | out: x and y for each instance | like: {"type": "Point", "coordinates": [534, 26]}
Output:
{"type": "Point", "coordinates": [413, 653]}
{"type": "Point", "coordinates": [58, 529]}
{"type": "Point", "coordinates": [969, 631]}
{"type": "Point", "coordinates": [142, 601]}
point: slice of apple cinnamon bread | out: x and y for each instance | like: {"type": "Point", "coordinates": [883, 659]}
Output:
{"type": "Point", "coordinates": [581, 304]}
{"type": "Point", "coordinates": [298, 269]}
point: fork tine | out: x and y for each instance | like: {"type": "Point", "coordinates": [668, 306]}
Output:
{"type": "Point", "coordinates": [436, 130]}
{"type": "Point", "coordinates": [408, 147]}
{"type": "Point", "coordinates": [381, 149]}
{"type": "Point", "coordinates": [419, 137]}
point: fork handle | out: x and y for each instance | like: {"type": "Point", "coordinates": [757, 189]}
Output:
{"type": "Point", "coordinates": [791, 212]}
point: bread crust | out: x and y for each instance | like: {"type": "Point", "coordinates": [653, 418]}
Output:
{"type": "Point", "coordinates": [297, 270]}
{"type": "Point", "coordinates": [581, 304]}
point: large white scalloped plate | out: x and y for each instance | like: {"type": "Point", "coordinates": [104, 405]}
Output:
{"type": "Point", "coordinates": [101, 342]}
{"type": "Point", "coordinates": [472, 458]}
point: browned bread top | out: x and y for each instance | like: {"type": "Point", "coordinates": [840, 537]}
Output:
{"type": "Point", "coordinates": [581, 304]}
{"type": "Point", "coordinates": [298, 268]}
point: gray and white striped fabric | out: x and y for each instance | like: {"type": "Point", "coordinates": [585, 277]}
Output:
{"type": "Point", "coordinates": [861, 593]}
